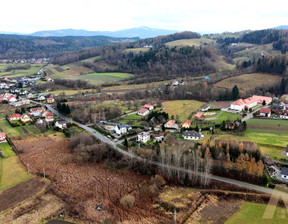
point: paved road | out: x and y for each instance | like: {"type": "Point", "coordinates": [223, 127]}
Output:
{"type": "Point", "coordinates": [131, 155]}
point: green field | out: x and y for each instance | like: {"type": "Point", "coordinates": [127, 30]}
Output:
{"type": "Point", "coordinates": [100, 78]}
{"type": "Point", "coordinates": [182, 108]}
{"type": "Point", "coordinates": [190, 42]}
{"type": "Point", "coordinates": [252, 213]}
{"type": "Point", "coordinates": [268, 123]}
{"type": "Point", "coordinates": [19, 72]}
{"type": "Point", "coordinates": [7, 150]}
{"type": "Point", "coordinates": [12, 172]}
{"type": "Point", "coordinates": [137, 50]}
{"type": "Point", "coordinates": [254, 50]}
{"type": "Point", "coordinates": [22, 131]}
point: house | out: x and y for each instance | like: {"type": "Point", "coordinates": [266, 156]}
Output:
{"type": "Point", "coordinates": [50, 100]}
{"type": "Point", "coordinates": [250, 102]}
{"type": "Point", "coordinates": [12, 99]}
{"type": "Point", "coordinates": [25, 102]}
{"type": "Point", "coordinates": [284, 173]}
{"type": "Point", "coordinates": [159, 137]}
{"type": "Point", "coordinates": [265, 112]}
{"type": "Point", "coordinates": [16, 104]}
{"type": "Point", "coordinates": [287, 150]}
{"type": "Point", "coordinates": [171, 124]}
{"type": "Point", "coordinates": [192, 135]}
{"type": "Point", "coordinates": [143, 112]}
{"type": "Point", "coordinates": [49, 117]}
{"type": "Point", "coordinates": [61, 124]}
{"type": "Point", "coordinates": [30, 95]}
{"type": "Point", "coordinates": [25, 118]}
{"type": "Point", "coordinates": [143, 137]}
{"type": "Point", "coordinates": [185, 124]}
{"type": "Point", "coordinates": [175, 82]}
{"type": "Point", "coordinates": [2, 137]}
{"type": "Point", "coordinates": [199, 116]}
{"type": "Point", "coordinates": [14, 117]}
{"type": "Point", "coordinates": [148, 106]}
{"type": "Point", "coordinates": [35, 114]}
{"type": "Point", "coordinates": [41, 97]}
{"type": "Point", "coordinates": [121, 129]}
{"type": "Point", "coordinates": [48, 79]}
{"type": "Point", "coordinates": [205, 108]}
{"type": "Point", "coordinates": [38, 109]}
{"type": "Point", "coordinates": [39, 121]}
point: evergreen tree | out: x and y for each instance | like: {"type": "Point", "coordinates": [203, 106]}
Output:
{"type": "Point", "coordinates": [197, 128]}
{"type": "Point", "coordinates": [264, 103]}
{"type": "Point", "coordinates": [235, 92]}
{"type": "Point", "coordinates": [126, 143]}
{"type": "Point", "coordinates": [22, 110]}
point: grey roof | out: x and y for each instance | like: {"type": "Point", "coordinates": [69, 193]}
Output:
{"type": "Point", "coordinates": [123, 126]}
{"type": "Point", "coordinates": [284, 171]}
{"type": "Point", "coordinates": [287, 148]}
{"type": "Point", "coordinates": [61, 122]}
{"type": "Point", "coordinates": [191, 134]}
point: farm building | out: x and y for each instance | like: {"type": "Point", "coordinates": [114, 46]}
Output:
{"type": "Point", "coordinates": [143, 137]}
{"type": "Point", "coordinates": [192, 135]}
{"type": "Point", "coordinates": [265, 112]}
{"type": "Point", "coordinates": [143, 112]}
{"type": "Point", "coordinates": [205, 108]}
{"type": "Point", "coordinates": [148, 106]}
{"type": "Point", "coordinates": [250, 102]}
{"type": "Point", "coordinates": [2, 136]}
{"type": "Point", "coordinates": [14, 117]}
{"type": "Point", "coordinates": [50, 100]}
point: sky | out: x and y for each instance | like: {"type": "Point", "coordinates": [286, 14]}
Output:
{"type": "Point", "coordinates": [204, 16]}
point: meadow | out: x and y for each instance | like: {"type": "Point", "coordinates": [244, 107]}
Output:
{"type": "Point", "coordinates": [19, 72]}
{"type": "Point", "coordinates": [252, 213]}
{"type": "Point", "coordinates": [249, 81]}
{"type": "Point", "coordinates": [7, 150]}
{"type": "Point", "coordinates": [12, 172]}
{"type": "Point", "coordinates": [25, 130]}
{"type": "Point", "coordinates": [137, 50]}
{"type": "Point", "coordinates": [183, 108]}
{"type": "Point", "coordinates": [190, 42]}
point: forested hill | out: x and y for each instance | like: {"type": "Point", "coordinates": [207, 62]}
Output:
{"type": "Point", "coordinates": [19, 46]}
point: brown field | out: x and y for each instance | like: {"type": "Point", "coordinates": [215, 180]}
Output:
{"type": "Point", "coordinates": [75, 183]}
{"type": "Point", "coordinates": [249, 81]}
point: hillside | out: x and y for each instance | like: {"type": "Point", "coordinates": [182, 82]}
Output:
{"type": "Point", "coordinates": [141, 32]}
{"type": "Point", "coordinates": [20, 46]}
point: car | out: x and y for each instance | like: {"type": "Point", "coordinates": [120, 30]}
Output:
{"type": "Point", "coordinates": [94, 132]}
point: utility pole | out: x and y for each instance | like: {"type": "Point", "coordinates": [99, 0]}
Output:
{"type": "Point", "coordinates": [175, 216]}
{"type": "Point", "coordinates": [28, 167]}
{"type": "Point", "coordinates": [44, 172]}
{"type": "Point", "coordinates": [96, 190]}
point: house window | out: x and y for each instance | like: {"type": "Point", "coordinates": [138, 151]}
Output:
{"type": "Point", "coordinates": [284, 176]}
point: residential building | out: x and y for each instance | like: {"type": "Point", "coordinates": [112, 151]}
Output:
{"type": "Point", "coordinates": [25, 118]}
{"type": "Point", "coordinates": [287, 150]}
{"type": "Point", "coordinates": [192, 135]}
{"type": "Point", "coordinates": [121, 129]}
{"type": "Point", "coordinates": [171, 124]}
{"type": "Point", "coordinates": [143, 112]}
{"type": "Point", "coordinates": [48, 79]}
{"type": "Point", "coordinates": [14, 117]}
{"type": "Point", "coordinates": [205, 108]}
{"type": "Point", "coordinates": [50, 100]}
{"type": "Point", "coordinates": [265, 112]}
{"type": "Point", "coordinates": [39, 121]}
{"type": "Point", "coordinates": [185, 124]}
{"type": "Point", "coordinates": [2, 136]}
{"type": "Point", "coordinates": [143, 137]}
{"type": "Point", "coordinates": [159, 137]}
{"type": "Point", "coordinates": [49, 117]}
{"type": "Point", "coordinates": [148, 106]}
{"type": "Point", "coordinates": [38, 109]}
{"type": "Point", "coordinates": [61, 124]}
{"type": "Point", "coordinates": [199, 116]}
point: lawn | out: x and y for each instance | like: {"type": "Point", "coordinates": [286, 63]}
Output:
{"type": "Point", "coordinates": [268, 123]}
{"type": "Point", "coordinates": [190, 42]}
{"type": "Point", "coordinates": [20, 130]}
{"type": "Point", "coordinates": [8, 129]}
{"type": "Point", "coordinates": [7, 150]}
{"type": "Point", "coordinates": [12, 172]}
{"type": "Point", "coordinates": [19, 72]}
{"type": "Point", "coordinates": [250, 81]}
{"type": "Point", "coordinates": [252, 213]}
{"type": "Point", "coordinates": [182, 108]}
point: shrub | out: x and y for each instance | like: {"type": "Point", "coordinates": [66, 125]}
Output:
{"type": "Point", "coordinates": [127, 201]}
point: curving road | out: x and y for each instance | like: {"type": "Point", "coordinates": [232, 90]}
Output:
{"type": "Point", "coordinates": [131, 155]}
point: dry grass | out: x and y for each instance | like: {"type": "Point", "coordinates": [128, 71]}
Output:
{"type": "Point", "coordinates": [250, 81]}
{"type": "Point", "coordinates": [190, 42]}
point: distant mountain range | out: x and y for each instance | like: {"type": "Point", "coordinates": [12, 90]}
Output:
{"type": "Point", "coordinates": [141, 32]}
{"type": "Point", "coordinates": [283, 27]}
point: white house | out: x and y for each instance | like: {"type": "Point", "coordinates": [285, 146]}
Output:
{"type": "Point", "coordinates": [143, 112]}
{"type": "Point", "coordinates": [250, 102]}
{"type": "Point", "coordinates": [143, 137]}
{"type": "Point", "coordinates": [2, 136]}
{"type": "Point", "coordinates": [159, 137]}
{"type": "Point", "coordinates": [148, 106]}
{"type": "Point", "coordinates": [192, 135]}
{"type": "Point", "coordinates": [61, 124]}
{"type": "Point", "coordinates": [121, 129]}
{"type": "Point", "coordinates": [41, 97]}
{"type": "Point", "coordinates": [265, 112]}
{"type": "Point", "coordinates": [205, 108]}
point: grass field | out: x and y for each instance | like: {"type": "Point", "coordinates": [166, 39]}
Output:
{"type": "Point", "coordinates": [91, 59]}
{"type": "Point", "coordinates": [25, 130]}
{"type": "Point", "coordinates": [7, 150]}
{"type": "Point", "coordinates": [254, 50]}
{"type": "Point", "coordinates": [12, 172]}
{"type": "Point", "coordinates": [182, 108]}
{"type": "Point", "coordinates": [137, 50]}
{"type": "Point", "coordinates": [252, 213]}
{"type": "Point", "coordinates": [19, 72]}
{"type": "Point", "coordinates": [249, 81]}
{"type": "Point", "coordinates": [67, 91]}
{"type": "Point", "coordinates": [190, 42]}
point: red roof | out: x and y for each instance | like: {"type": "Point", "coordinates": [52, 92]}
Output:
{"type": "Point", "coordinates": [14, 115]}
{"type": "Point", "coordinates": [142, 110]}
{"type": "Point", "coordinates": [265, 110]}
{"type": "Point", "coordinates": [254, 98]}
{"type": "Point", "coordinates": [199, 115]}
{"type": "Point", "coordinates": [49, 115]}
{"type": "Point", "coordinates": [185, 122]}
{"type": "Point", "coordinates": [147, 106]}
{"type": "Point", "coordinates": [3, 134]}
{"type": "Point", "coordinates": [170, 123]}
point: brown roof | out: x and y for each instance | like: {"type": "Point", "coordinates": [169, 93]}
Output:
{"type": "Point", "coordinates": [265, 110]}
{"type": "Point", "coordinates": [142, 110]}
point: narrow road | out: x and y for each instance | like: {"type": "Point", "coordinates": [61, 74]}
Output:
{"type": "Point", "coordinates": [131, 155]}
